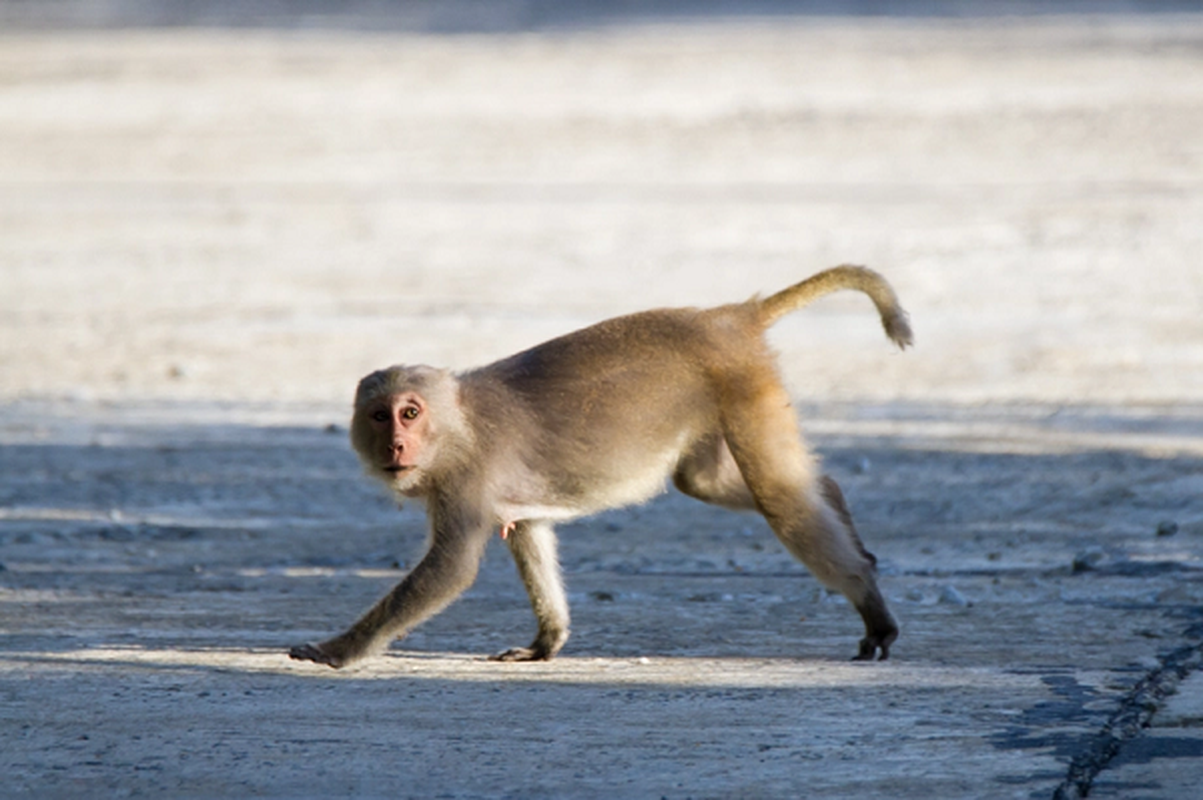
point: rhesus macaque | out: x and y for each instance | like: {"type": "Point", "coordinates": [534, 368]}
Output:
{"type": "Point", "coordinates": [597, 419]}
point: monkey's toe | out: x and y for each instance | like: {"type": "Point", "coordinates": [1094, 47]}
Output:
{"type": "Point", "coordinates": [315, 653]}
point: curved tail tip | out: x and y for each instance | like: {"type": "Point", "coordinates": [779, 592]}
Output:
{"type": "Point", "coordinates": [899, 331]}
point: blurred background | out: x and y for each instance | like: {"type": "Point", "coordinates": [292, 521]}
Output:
{"type": "Point", "coordinates": [262, 201]}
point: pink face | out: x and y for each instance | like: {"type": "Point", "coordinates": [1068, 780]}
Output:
{"type": "Point", "coordinates": [401, 427]}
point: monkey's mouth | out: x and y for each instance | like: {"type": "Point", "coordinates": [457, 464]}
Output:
{"type": "Point", "coordinates": [397, 469]}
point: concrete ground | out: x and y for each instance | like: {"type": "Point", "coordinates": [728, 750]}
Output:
{"type": "Point", "coordinates": [214, 219]}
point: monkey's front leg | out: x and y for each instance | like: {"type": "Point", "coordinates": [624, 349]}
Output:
{"type": "Point", "coordinates": [448, 569]}
{"type": "Point", "coordinates": [533, 544]}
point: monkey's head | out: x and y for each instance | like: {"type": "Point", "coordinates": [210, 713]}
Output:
{"type": "Point", "coordinates": [408, 425]}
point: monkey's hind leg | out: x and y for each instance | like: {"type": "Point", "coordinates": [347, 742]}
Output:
{"type": "Point", "coordinates": [834, 498]}
{"type": "Point", "coordinates": [533, 544]}
{"type": "Point", "coordinates": [807, 513]}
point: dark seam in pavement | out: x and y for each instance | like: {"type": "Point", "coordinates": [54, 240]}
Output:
{"type": "Point", "coordinates": [1134, 713]}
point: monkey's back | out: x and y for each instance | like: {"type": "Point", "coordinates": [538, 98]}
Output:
{"type": "Point", "coordinates": [667, 355]}
{"type": "Point", "coordinates": [639, 389]}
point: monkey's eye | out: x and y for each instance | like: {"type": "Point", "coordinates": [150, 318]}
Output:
{"type": "Point", "coordinates": [410, 413]}
{"type": "Point", "coordinates": [380, 415]}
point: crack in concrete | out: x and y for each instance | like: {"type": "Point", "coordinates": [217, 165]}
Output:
{"type": "Point", "coordinates": [1135, 711]}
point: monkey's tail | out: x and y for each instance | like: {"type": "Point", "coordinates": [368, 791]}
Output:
{"type": "Point", "coordinates": [846, 276]}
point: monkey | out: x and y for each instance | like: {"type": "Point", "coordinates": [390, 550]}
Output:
{"type": "Point", "coordinates": [597, 419]}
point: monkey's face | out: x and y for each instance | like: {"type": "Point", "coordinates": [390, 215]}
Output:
{"type": "Point", "coordinates": [408, 426]}
{"type": "Point", "coordinates": [393, 435]}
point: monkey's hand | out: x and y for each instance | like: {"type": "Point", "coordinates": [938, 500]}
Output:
{"type": "Point", "coordinates": [324, 653]}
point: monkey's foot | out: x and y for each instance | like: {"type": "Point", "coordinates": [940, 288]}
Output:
{"type": "Point", "coordinates": [535, 652]}
{"type": "Point", "coordinates": [543, 648]}
{"type": "Point", "coordinates": [871, 644]}
{"type": "Point", "coordinates": [314, 652]}
{"type": "Point", "coordinates": [523, 654]}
